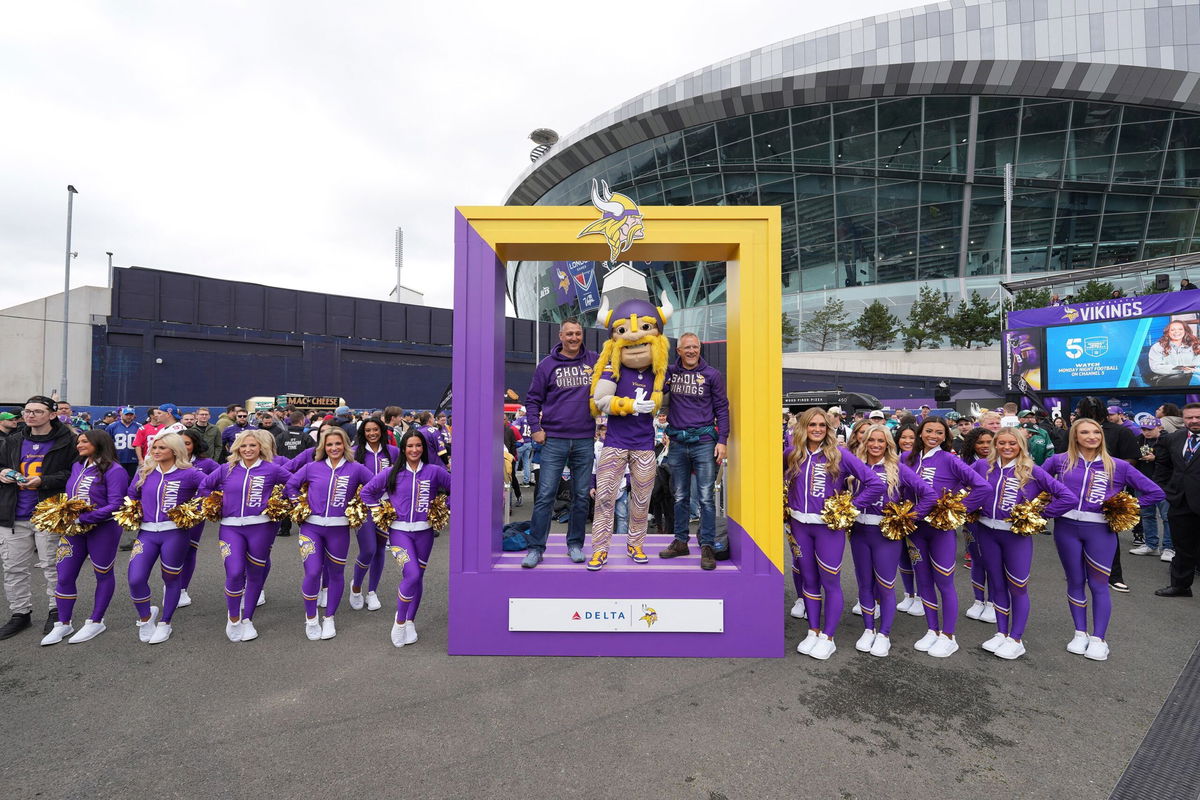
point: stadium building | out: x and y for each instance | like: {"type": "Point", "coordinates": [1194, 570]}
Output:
{"type": "Point", "coordinates": [884, 141]}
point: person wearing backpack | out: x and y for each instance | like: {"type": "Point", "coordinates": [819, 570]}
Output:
{"type": "Point", "coordinates": [291, 443]}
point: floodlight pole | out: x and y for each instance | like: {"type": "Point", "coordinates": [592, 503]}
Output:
{"type": "Point", "coordinates": [62, 391]}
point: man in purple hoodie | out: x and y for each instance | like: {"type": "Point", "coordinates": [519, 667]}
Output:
{"type": "Point", "coordinates": [560, 419]}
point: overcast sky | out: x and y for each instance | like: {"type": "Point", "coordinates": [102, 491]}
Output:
{"type": "Point", "coordinates": [282, 141]}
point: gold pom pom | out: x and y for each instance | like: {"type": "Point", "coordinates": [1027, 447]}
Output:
{"type": "Point", "coordinates": [60, 514]}
{"type": "Point", "coordinates": [899, 520]}
{"type": "Point", "coordinates": [187, 515]}
{"type": "Point", "coordinates": [949, 512]}
{"type": "Point", "coordinates": [839, 512]}
{"type": "Point", "coordinates": [1122, 512]}
{"type": "Point", "coordinates": [278, 506]}
{"type": "Point", "coordinates": [301, 510]}
{"type": "Point", "coordinates": [1026, 518]}
{"type": "Point", "coordinates": [439, 513]}
{"type": "Point", "coordinates": [210, 507]}
{"type": "Point", "coordinates": [383, 514]}
{"type": "Point", "coordinates": [974, 516]}
{"type": "Point", "coordinates": [129, 515]}
{"type": "Point", "coordinates": [356, 510]}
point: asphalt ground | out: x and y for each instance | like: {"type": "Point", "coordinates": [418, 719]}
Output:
{"type": "Point", "coordinates": [199, 716]}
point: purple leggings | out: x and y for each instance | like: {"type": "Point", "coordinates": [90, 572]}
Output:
{"type": "Point", "coordinates": [171, 546]}
{"type": "Point", "coordinates": [246, 551]}
{"type": "Point", "coordinates": [1009, 558]}
{"type": "Point", "coordinates": [937, 552]}
{"type": "Point", "coordinates": [875, 560]}
{"type": "Point", "coordinates": [821, 552]}
{"type": "Point", "coordinates": [1086, 550]}
{"type": "Point", "coordinates": [189, 562]}
{"type": "Point", "coordinates": [979, 576]}
{"type": "Point", "coordinates": [411, 550]}
{"type": "Point", "coordinates": [372, 552]}
{"type": "Point", "coordinates": [323, 553]}
{"type": "Point", "coordinates": [906, 572]}
{"type": "Point", "coordinates": [98, 544]}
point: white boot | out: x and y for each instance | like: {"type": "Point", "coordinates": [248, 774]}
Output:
{"type": "Point", "coordinates": [356, 600]}
{"type": "Point", "coordinates": [917, 609]}
{"type": "Point", "coordinates": [322, 598]}
{"type": "Point", "coordinates": [881, 646]}
{"type": "Point", "coordinates": [328, 628]}
{"type": "Point", "coordinates": [399, 631]}
{"type": "Point", "coordinates": [824, 648]}
{"type": "Point", "coordinates": [233, 630]}
{"type": "Point", "coordinates": [927, 641]}
{"type": "Point", "coordinates": [989, 614]}
{"type": "Point", "coordinates": [857, 610]}
{"type": "Point", "coordinates": [805, 647]}
{"type": "Point", "coordinates": [975, 610]}
{"type": "Point", "coordinates": [798, 608]}
{"type": "Point", "coordinates": [89, 631]}
{"type": "Point", "coordinates": [373, 603]}
{"type": "Point", "coordinates": [146, 629]}
{"type": "Point", "coordinates": [60, 631]}
{"type": "Point", "coordinates": [162, 632]}
{"type": "Point", "coordinates": [312, 628]}
{"type": "Point", "coordinates": [864, 643]}
{"type": "Point", "coordinates": [185, 599]}
{"type": "Point", "coordinates": [410, 632]}
{"type": "Point", "coordinates": [1097, 649]}
{"type": "Point", "coordinates": [905, 604]}
{"type": "Point", "coordinates": [1079, 644]}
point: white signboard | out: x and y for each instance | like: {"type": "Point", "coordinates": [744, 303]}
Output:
{"type": "Point", "coordinates": [621, 616]}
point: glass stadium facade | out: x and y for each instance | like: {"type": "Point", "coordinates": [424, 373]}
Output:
{"type": "Point", "coordinates": [885, 193]}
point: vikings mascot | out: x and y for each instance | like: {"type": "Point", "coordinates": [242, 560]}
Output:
{"type": "Point", "coordinates": [627, 385]}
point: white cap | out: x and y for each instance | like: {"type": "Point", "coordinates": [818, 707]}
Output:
{"type": "Point", "coordinates": [836, 410]}
{"type": "Point", "coordinates": [876, 414]}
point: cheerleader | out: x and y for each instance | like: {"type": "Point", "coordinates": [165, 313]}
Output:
{"type": "Point", "coordinates": [933, 551]}
{"type": "Point", "coordinates": [1085, 543]}
{"type": "Point", "coordinates": [324, 538]}
{"type": "Point", "coordinates": [246, 533]}
{"type": "Point", "coordinates": [373, 451]}
{"type": "Point", "coordinates": [98, 478]}
{"type": "Point", "coordinates": [1012, 478]}
{"type": "Point", "coordinates": [164, 480]}
{"type": "Point", "coordinates": [977, 446]}
{"type": "Point", "coordinates": [815, 469]}
{"type": "Point", "coordinates": [876, 557]}
{"type": "Point", "coordinates": [197, 450]}
{"type": "Point", "coordinates": [409, 485]}
{"type": "Point", "coordinates": [906, 440]}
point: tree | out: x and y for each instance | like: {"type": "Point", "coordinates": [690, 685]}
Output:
{"type": "Point", "coordinates": [824, 326]}
{"type": "Point", "coordinates": [1094, 290]}
{"type": "Point", "coordinates": [926, 319]}
{"type": "Point", "coordinates": [790, 333]}
{"type": "Point", "coordinates": [876, 328]}
{"type": "Point", "coordinates": [1030, 298]}
{"type": "Point", "coordinates": [975, 321]}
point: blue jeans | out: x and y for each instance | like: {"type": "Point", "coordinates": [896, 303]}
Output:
{"type": "Point", "coordinates": [621, 515]}
{"type": "Point", "coordinates": [1150, 515]}
{"type": "Point", "coordinates": [577, 454]}
{"type": "Point", "coordinates": [525, 459]}
{"type": "Point", "coordinates": [683, 460]}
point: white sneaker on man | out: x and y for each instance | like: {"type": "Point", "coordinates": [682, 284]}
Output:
{"type": "Point", "coordinates": [864, 643]}
{"type": "Point", "coordinates": [322, 598]}
{"type": "Point", "coordinates": [798, 610]}
{"type": "Point", "coordinates": [373, 603]}
{"type": "Point", "coordinates": [328, 628]}
{"type": "Point", "coordinates": [249, 632]}
{"type": "Point", "coordinates": [975, 610]}
{"type": "Point", "coordinates": [162, 632]}
{"type": "Point", "coordinates": [1097, 649]}
{"type": "Point", "coordinates": [312, 628]}
{"type": "Point", "coordinates": [89, 631]}
{"type": "Point", "coordinates": [399, 633]}
{"type": "Point", "coordinates": [185, 599]}
{"type": "Point", "coordinates": [857, 610]}
{"type": "Point", "coordinates": [881, 646]}
{"type": "Point", "coordinates": [805, 647]}
{"type": "Point", "coordinates": [989, 613]}
{"type": "Point", "coordinates": [905, 603]}
{"type": "Point", "coordinates": [1079, 644]}
{"type": "Point", "coordinates": [233, 630]}
{"type": "Point", "coordinates": [993, 644]}
{"type": "Point", "coordinates": [1167, 554]}
{"type": "Point", "coordinates": [1010, 649]}
{"type": "Point", "coordinates": [356, 601]}
{"type": "Point", "coordinates": [146, 629]}
{"type": "Point", "coordinates": [1142, 550]}
{"type": "Point", "coordinates": [927, 641]}
{"type": "Point", "coordinates": [917, 609]}
{"type": "Point", "coordinates": [943, 647]}
{"type": "Point", "coordinates": [824, 648]}
{"type": "Point", "coordinates": [410, 632]}
{"type": "Point", "coordinates": [60, 631]}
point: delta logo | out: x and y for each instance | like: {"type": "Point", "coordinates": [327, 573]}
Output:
{"type": "Point", "coordinates": [597, 615]}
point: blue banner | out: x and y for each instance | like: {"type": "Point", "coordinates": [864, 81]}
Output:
{"type": "Point", "coordinates": [1123, 354]}
{"type": "Point", "coordinates": [564, 287]}
{"type": "Point", "coordinates": [587, 288]}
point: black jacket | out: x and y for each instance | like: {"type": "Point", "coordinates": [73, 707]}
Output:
{"type": "Point", "coordinates": [1180, 479]}
{"type": "Point", "coordinates": [56, 466]}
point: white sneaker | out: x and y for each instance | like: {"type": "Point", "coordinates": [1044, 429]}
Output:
{"type": "Point", "coordinates": [993, 644]}
{"type": "Point", "coordinates": [917, 609]}
{"type": "Point", "coordinates": [1097, 649]}
{"type": "Point", "coordinates": [410, 632]}
{"type": "Point", "coordinates": [356, 601]}
{"type": "Point", "coordinates": [881, 646]}
{"type": "Point", "coordinates": [943, 647]}
{"type": "Point", "coordinates": [989, 613]}
{"type": "Point", "coordinates": [328, 628]}
{"type": "Point", "coordinates": [146, 629]}
{"type": "Point", "coordinates": [805, 647]}
{"type": "Point", "coordinates": [864, 643]}
{"type": "Point", "coordinates": [399, 633]}
{"type": "Point", "coordinates": [1079, 644]}
{"type": "Point", "coordinates": [905, 604]}
{"type": "Point", "coordinates": [162, 632]}
{"type": "Point", "coordinates": [249, 632]}
{"type": "Point", "coordinates": [262, 598]}
{"type": "Point", "coordinates": [857, 610]}
{"type": "Point", "coordinates": [322, 598]}
{"type": "Point", "coordinates": [233, 630]}
{"type": "Point", "coordinates": [927, 641]}
{"type": "Point", "coordinates": [1142, 550]}
{"type": "Point", "coordinates": [1010, 649]}
{"type": "Point", "coordinates": [1167, 555]}
{"type": "Point", "coordinates": [373, 603]}
{"type": "Point", "coordinates": [824, 648]}
{"type": "Point", "coordinates": [312, 628]}
{"type": "Point", "coordinates": [60, 631]}
{"type": "Point", "coordinates": [185, 599]}
{"type": "Point", "coordinates": [975, 610]}
{"type": "Point", "coordinates": [798, 611]}
{"type": "Point", "coordinates": [89, 631]}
